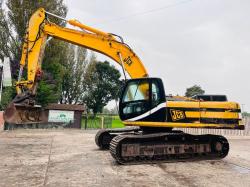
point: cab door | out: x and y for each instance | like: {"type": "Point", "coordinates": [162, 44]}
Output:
{"type": "Point", "coordinates": [140, 99]}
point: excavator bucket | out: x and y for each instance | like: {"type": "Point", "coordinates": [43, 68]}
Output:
{"type": "Point", "coordinates": [24, 114]}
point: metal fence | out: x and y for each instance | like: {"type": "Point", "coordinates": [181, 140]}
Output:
{"type": "Point", "coordinates": [223, 132]}
{"type": "Point", "coordinates": [97, 122]}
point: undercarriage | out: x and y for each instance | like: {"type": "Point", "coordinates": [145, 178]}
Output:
{"type": "Point", "coordinates": [133, 146]}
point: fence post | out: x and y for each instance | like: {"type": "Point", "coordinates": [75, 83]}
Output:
{"type": "Point", "coordinates": [86, 121]}
{"type": "Point", "coordinates": [102, 122]}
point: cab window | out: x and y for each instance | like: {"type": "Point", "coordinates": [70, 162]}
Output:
{"type": "Point", "coordinates": [136, 91]}
{"type": "Point", "coordinates": [136, 98]}
{"type": "Point", "coordinates": [155, 94]}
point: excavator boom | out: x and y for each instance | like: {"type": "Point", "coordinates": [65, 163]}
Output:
{"type": "Point", "coordinates": [39, 29]}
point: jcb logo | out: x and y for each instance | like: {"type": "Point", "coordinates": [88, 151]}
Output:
{"type": "Point", "coordinates": [128, 61]}
{"type": "Point", "coordinates": [177, 114]}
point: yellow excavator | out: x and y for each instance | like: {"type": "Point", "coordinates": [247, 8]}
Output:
{"type": "Point", "coordinates": [143, 103]}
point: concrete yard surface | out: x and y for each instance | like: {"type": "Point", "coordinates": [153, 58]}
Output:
{"type": "Point", "coordinates": [71, 158]}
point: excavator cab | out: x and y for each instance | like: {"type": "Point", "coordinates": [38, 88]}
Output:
{"type": "Point", "coordinates": [143, 99]}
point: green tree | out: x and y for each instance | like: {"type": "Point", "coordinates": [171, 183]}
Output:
{"type": "Point", "coordinates": [103, 85]}
{"type": "Point", "coordinates": [73, 85]}
{"type": "Point", "coordinates": [7, 94]}
{"type": "Point", "coordinates": [246, 114]}
{"type": "Point", "coordinates": [194, 90]}
{"type": "Point", "coordinates": [49, 89]}
{"type": "Point", "coordinates": [13, 22]}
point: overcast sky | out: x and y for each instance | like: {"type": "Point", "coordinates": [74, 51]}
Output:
{"type": "Point", "coordinates": [184, 42]}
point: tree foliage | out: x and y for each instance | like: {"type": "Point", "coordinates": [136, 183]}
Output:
{"type": "Point", "coordinates": [7, 94]}
{"type": "Point", "coordinates": [73, 85]}
{"type": "Point", "coordinates": [194, 90]}
{"type": "Point", "coordinates": [53, 69]}
{"type": "Point", "coordinates": [245, 114]}
{"type": "Point", "coordinates": [102, 84]}
{"type": "Point", "coordinates": [14, 20]}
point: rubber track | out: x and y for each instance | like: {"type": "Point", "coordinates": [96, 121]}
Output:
{"type": "Point", "coordinates": [112, 133]}
{"type": "Point", "coordinates": [115, 148]}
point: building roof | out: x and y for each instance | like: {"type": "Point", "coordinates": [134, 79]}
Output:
{"type": "Point", "coordinates": [54, 106]}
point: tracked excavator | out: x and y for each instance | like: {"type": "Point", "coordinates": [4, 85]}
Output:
{"type": "Point", "coordinates": [149, 115]}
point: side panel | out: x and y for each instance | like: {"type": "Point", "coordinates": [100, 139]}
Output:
{"type": "Point", "coordinates": [195, 114]}
{"type": "Point", "coordinates": [203, 112]}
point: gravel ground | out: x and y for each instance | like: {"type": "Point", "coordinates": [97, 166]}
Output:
{"type": "Point", "coordinates": [71, 158]}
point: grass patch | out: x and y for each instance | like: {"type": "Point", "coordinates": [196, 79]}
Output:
{"type": "Point", "coordinates": [117, 123]}
{"type": "Point", "coordinates": [109, 122]}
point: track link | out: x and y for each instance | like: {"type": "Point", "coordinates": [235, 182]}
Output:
{"type": "Point", "coordinates": [167, 147]}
